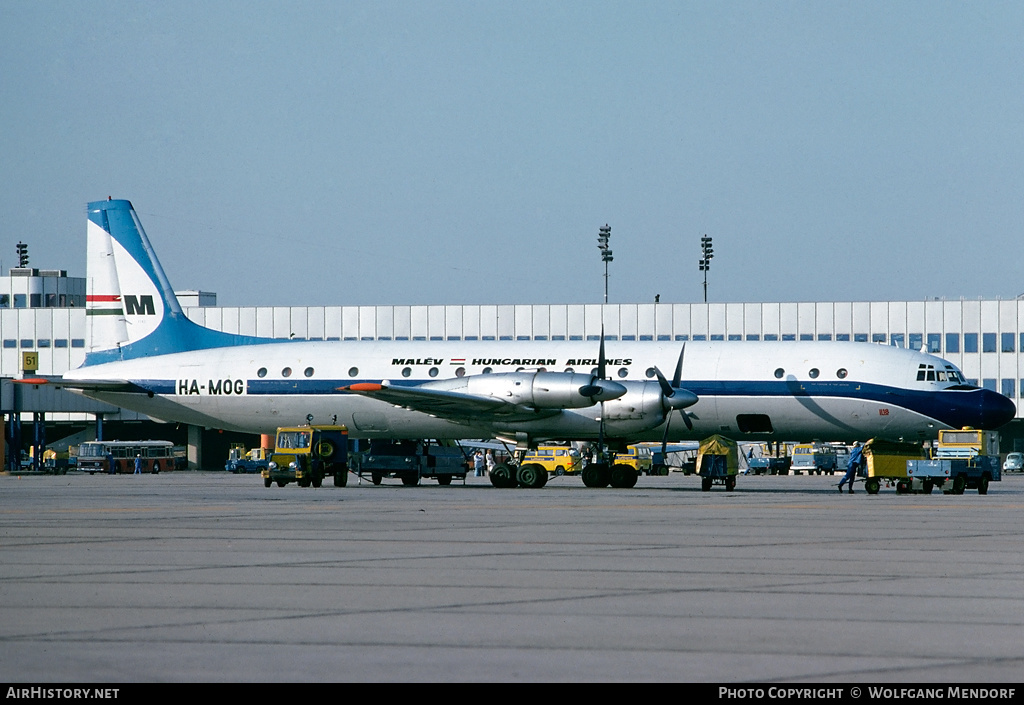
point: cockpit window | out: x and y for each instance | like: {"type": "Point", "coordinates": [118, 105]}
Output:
{"type": "Point", "coordinates": [928, 373]}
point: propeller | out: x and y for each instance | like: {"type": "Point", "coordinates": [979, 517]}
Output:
{"type": "Point", "coordinates": [600, 388]}
{"type": "Point", "coordinates": [675, 397]}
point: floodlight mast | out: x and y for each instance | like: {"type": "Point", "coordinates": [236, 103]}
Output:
{"type": "Point", "coordinates": [705, 261]}
{"type": "Point", "coordinates": [604, 235]}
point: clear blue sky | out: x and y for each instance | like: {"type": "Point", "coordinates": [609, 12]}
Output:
{"type": "Point", "coordinates": [454, 152]}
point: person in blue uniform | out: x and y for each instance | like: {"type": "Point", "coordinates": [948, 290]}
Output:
{"type": "Point", "coordinates": [856, 459]}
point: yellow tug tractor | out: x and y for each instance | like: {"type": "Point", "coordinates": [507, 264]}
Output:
{"type": "Point", "coordinates": [308, 454]}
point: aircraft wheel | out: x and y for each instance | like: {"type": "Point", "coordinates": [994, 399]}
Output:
{"type": "Point", "coordinates": [622, 476]}
{"type": "Point", "coordinates": [503, 476]}
{"type": "Point", "coordinates": [596, 475]}
{"type": "Point", "coordinates": [529, 475]}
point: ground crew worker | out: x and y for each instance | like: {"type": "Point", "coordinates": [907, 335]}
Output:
{"type": "Point", "coordinates": [856, 458]}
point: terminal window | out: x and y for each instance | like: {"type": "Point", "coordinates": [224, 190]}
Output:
{"type": "Point", "coordinates": [788, 336]}
{"type": "Point", "coordinates": [843, 337]}
{"type": "Point", "coordinates": [1008, 388]}
{"type": "Point", "coordinates": [753, 337]}
{"type": "Point", "coordinates": [970, 342]}
{"type": "Point", "coordinates": [78, 342]}
{"type": "Point", "coordinates": [988, 342]}
{"type": "Point", "coordinates": [700, 336]}
{"type": "Point", "coordinates": [60, 342]}
{"type": "Point", "coordinates": [860, 337]}
{"type": "Point", "coordinates": [824, 336]}
{"type": "Point", "coordinates": [897, 340]}
{"type": "Point", "coordinates": [718, 336]}
{"type": "Point", "coordinates": [683, 337]}
{"type": "Point", "coordinates": [916, 341]}
{"type": "Point", "coordinates": [771, 336]}
{"type": "Point", "coordinates": [878, 337]}
{"type": "Point", "coordinates": [735, 336]}
{"type": "Point", "coordinates": [952, 342]}
{"type": "Point", "coordinates": [10, 343]}
{"type": "Point", "coordinates": [1008, 341]}
{"type": "Point", "coordinates": [934, 343]}
{"type": "Point", "coordinates": [989, 383]}
{"type": "Point", "coordinates": [806, 336]}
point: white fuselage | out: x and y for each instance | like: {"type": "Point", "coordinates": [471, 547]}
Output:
{"type": "Point", "coordinates": [746, 390]}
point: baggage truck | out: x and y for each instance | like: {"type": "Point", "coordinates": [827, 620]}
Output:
{"type": "Point", "coordinates": [409, 461]}
{"type": "Point", "coordinates": [886, 461]}
{"type": "Point", "coordinates": [963, 459]}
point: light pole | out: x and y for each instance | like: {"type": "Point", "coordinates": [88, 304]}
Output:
{"type": "Point", "coordinates": [603, 237]}
{"type": "Point", "coordinates": [705, 261]}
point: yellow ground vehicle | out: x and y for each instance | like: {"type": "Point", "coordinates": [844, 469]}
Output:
{"type": "Point", "coordinates": [962, 459]}
{"type": "Point", "coordinates": [307, 454]}
{"type": "Point", "coordinates": [558, 460]}
{"type": "Point", "coordinates": [637, 457]}
{"type": "Point", "coordinates": [718, 462]}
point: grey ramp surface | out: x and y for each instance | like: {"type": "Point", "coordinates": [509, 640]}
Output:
{"type": "Point", "coordinates": [212, 577]}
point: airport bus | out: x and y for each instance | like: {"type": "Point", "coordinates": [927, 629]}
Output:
{"type": "Point", "coordinates": [119, 456]}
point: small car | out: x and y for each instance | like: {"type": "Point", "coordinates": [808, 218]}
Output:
{"type": "Point", "coordinates": [1014, 462]}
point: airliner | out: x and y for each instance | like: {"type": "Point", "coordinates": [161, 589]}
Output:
{"type": "Point", "coordinates": [144, 354]}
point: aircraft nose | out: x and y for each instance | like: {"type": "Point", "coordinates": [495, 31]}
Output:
{"type": "Point", "coordinates": [995, 410]}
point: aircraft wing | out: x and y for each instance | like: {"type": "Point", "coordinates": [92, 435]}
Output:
{"type": "Point", "coordinates": [87, 385]}
{"type": "Point", "coordinates": [455, 406]}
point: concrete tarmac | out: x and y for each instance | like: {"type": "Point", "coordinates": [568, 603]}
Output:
{"type": "Point", "coordinates": [210, 577]}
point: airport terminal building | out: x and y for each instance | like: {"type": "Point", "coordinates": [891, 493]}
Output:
{"type": "Point", "coordinates": [43, 332]}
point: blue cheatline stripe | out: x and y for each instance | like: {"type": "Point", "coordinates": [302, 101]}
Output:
{"type": "Point", "coordinates": [947, 407]}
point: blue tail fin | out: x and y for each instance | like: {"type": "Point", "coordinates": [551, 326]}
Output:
{"type": "Point", "coordinates": [131, 308]}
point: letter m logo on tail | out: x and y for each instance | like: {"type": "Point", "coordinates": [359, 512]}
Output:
{"type": "Point", "coordinates": [139, 305]}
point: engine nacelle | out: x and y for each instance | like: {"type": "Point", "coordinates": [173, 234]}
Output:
{"type": "Point", "coordinates": [640, 409]}
{"type": "Point", "coordinates": [545, 390]}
